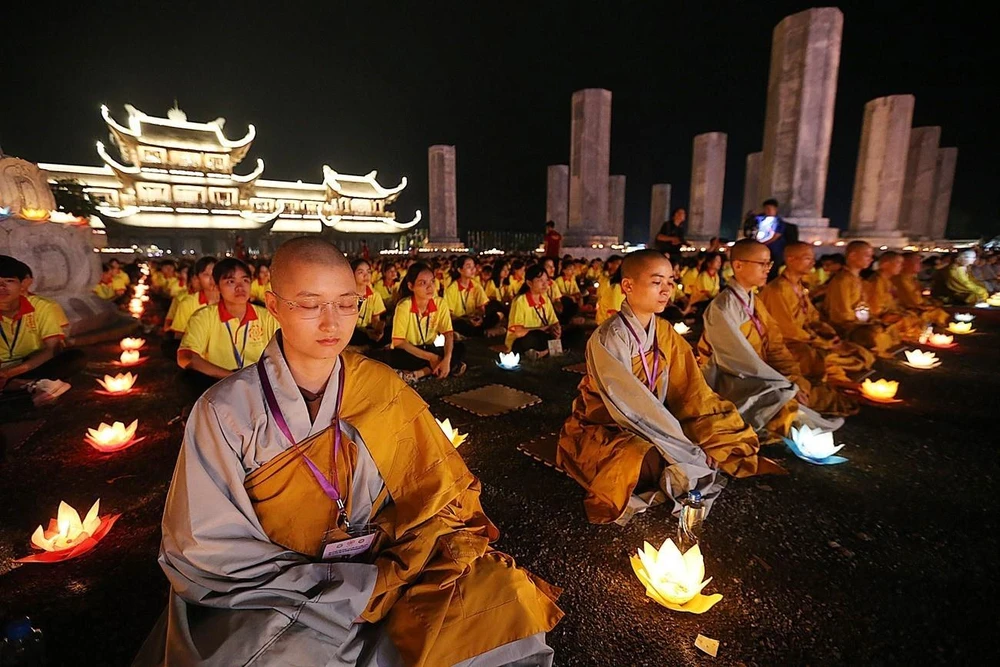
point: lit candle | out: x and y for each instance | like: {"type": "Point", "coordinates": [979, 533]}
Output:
{"type": "Point", "coordinates": [960, 327]}
{"type": "Point", "coordinates": [119, 384]}
{"type": "Point", "coordinates": [881, 390]}
{"type": "Point", "coordinates": [672, 579]}
{"type": "Point", "coordinates": [132, 343]}
{"type": "Point", "coordinates": [509, 360]}
{"type": "Point", "coordinates": [111, 438]}
{"type": "Point", "coordinates": [940, 340]}
{"type": "Point", "coordinates": [130, 357]}
{"type": "Point", "coordinates": [921, 359]}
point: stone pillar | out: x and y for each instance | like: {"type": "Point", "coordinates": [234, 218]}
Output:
{"type": "Point", "coordinates": [557, 198]}
{"type": "Point", "coordinates": [708, 176]}
{"type": "Point", "coordinates": [751, 184]}
{"type": "Point", "coordinates": [802, 86]}
{"type": "Point", "coordinates": [443, 204]}
{"type": "Point", "coordinates": [944, 177]}
{"type": "Point", "coordinates": [918, 185]}
{"type": "Point", "coordinates": [590, 156]}
{"type": "Point", "coordinates": [878, 180]}
{"type": "Point", "coordinates": [659, 210]}
{"type": "Point", "coordinates": [616, 206]}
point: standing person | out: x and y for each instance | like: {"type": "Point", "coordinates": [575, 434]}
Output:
{"type": "Point", "coordinates": [770, 229]}
{"type": "Point", "coordinates": [553, 241]}
{"type": "Point", "coordinates": [370, 328]}
{"type": "Point", "coordinates": [420, 317]}
{"type": "Point", "coordinates": [671, 235]}
{"type": "Point", "coordinates": [533, 322]}
{"type": "Point", "coordinates": [365, 252]}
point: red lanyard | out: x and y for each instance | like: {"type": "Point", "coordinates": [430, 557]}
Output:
{"type": "Point", "coordinates": [758, 325]}
{"type": "Point", "coordinates": [650, 376]}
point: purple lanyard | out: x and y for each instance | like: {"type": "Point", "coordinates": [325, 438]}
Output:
{"type": "Point", "coordinates": [757, 324]}
{"type": "Point", "coordinates": [330, 489]}
{"type": "Point", "coordinates": [650, 376]}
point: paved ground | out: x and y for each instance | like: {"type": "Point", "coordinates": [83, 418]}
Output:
{"type": "Point", "coordinates": [890, 558]}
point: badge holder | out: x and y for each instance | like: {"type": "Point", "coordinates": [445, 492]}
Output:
{"type": "Point", "coordinates": [359, 541]}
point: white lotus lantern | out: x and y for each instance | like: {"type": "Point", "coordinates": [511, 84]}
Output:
{"type": "Point", "coordinates": [439, 340]}
{"type": "Point", "coordinates": [119, 384]}
{"type": "Point", "coordinates": [132, 343]}
{"type": "Point", "coordinates": [960, 327]}
{"type": "Point", "coordinates": [921, 359]}
{"type": "Point", "coordinates": [672, 579]}
{"type": "Point", "coordinates": [881, 390]}
{"type": "Point", "coordinates": [113, 437]}
{"type": "Point", "coordinates": [814, 444]}
{"type": "Point", "coordinates": [452, 434]}
{"type": "Point", "coordinates": [129, 357]}
{"type": "Point", "coordinates": [682, 328]}
{"type": "Point", "coordinates": [940, 340]}
{"type": "Point", "coordinates": [964, 317]}
{"type": "Point", "coordinates": [509, 360]}
{"type": "Point", "coordinates": [69, 530]}
{"type": "Point", "coordinates": [994, 300]}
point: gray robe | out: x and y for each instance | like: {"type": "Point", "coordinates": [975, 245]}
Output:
{"type": "Point", "coordinates": [236, 598]}
{"type": "Point", "coordinates": [737, 373]}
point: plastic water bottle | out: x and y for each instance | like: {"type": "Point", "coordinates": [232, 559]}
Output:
{"type": "Point", "coordinates": [22, 645]}
{"type": "Point", "coordinates": [692, 518]}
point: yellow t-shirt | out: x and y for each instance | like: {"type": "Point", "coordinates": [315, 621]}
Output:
{"type": "Point", "coordinates": [567, 287]}
{"type": "Point", "coordinates": [257, 290]}
{"type": "Point", "coordinates": [187, 305]}
{"type": "Point", "coordinates": [553, 292]}
{"type": "Point", "coordinates": [37, 319]}
{"type": "Point", "coordinates": [688, 278]}
{"type": "Point", "coordinates": [705, 287]}
{"type": "Point", "coordinates": [105, 291]}
{"type": "Point", "coordinates": [490, 288]}
{"type": "Point", "coordinates": [388, 294]}
{"type": "Point", "coordinates": [609, 303]}
{"type": "Point", "coordinates": [217, 337]}
{"type": "Point", "coordinates": [416, 328]}
{"type": "Point", "coordinates": [529, 313]}
{"type": "Point", "coordinates": [464, 302]}
{"type": "Point", "coordinates": [371, 307]}
{"type": "Point", "coordinates": [172, 286]}
{"type": "Point", "coordinates": [120, 281]}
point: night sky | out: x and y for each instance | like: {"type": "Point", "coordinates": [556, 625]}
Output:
{"type": "Point", "coordinates": [370, 85]}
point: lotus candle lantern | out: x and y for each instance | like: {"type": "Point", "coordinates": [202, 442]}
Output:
{"type": "Point", "coordinates": [682, 328]}
{"type": "Point", "coordinates": [68, 537]}
{"type": "Point", "coordinates": [130, 357]}
{"type": "Point", "coordinates": [35, 214]}
{"type": "Point", "coordinates": [5, 212]}
{"type": "Point", "coordinates": [862, 312]}
{"type": "Point", "coordinates": [65, 218]}
{"type": "Point", "coordinates": [940, 340]}
{"type": "Point", "coordinates": [112, 438]}
{"type": "Point", "coordinates": [439, 340]}
{"type": "Point", "coordinates": [964, 317]}
{"type": "Point", "coordinates": [882, 391]}
{"type": "Point", "coordinates": [921, 359]}
{"type": "Point", "coordinates": [814, 445]}
{"type": "Point", "coordinates": [509, 360]}
{"type": "Point", "coordinates": [119, 384]}
{"type": "Point", "coordinates": [994, 300]}
{"type": "Point", "coordinates": [960, 327]}
{"type": "Point", "coordinates": [132, 343]}
{"type": "Point", "coordinates": [674, 580]}
{"type": "Point", "coordinates": [453, 435]}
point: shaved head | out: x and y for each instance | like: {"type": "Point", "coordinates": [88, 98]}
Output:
{"type": "Point", "coordinates": [855, 246]}
{"type": "Point", "coordinates": [639, 262]}
{"type": "Point", "coordinates": [748, 249]}
{"type": "Point", "coordinates": [798, 248]}
{"type": "Point", "coordinates": [304, 250]}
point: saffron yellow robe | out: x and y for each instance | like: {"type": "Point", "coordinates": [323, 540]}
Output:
{"type": "Point", "coordinates": [911, 295]}
{"type": "Point", "coordinates": [956, 286]}
{"type": "Point", "coordinates": [844, 294]}
{"type": "Point", "coordinates": [886, 309]}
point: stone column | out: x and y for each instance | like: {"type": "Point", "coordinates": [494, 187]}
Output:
{"type": "Point", "coordinates": [708, 176]}
{"type": "Point", "coordinates": [751, 184]}
{"type": "Point", "coordinates": [805, 57]}
{"type": "Point", "coordinates": [659, 210]}
{"type": "Point", "coordinates": [557, 198]}
{"type": "Point", "coordinates": [590, 156]}
{"type": "Point", "coordinates": [918, 185]}
{"type": "Point", "coordinates": [616, 206]}
{"type": "Point", "coordinates": [443, 204]}
{"type": "Point", "coordinates": [878, 180]}
{"type": "Point", "coordinates": [944, 178]}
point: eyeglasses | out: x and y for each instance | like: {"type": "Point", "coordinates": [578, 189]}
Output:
{"type": "Point", "coordinates": [310, 309]}
{"type": "Point", "coordinates": [753, 261]}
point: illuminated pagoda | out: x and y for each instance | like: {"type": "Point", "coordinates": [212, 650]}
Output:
{"type": "Point", "coordinates": [174, 183]}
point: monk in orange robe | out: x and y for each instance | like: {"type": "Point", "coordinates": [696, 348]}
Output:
{"type": "Point", "coordinates": [885, 308]}
{"type": "Point", "coordinates": [910, 294]}
{"type": "Point", "coordinates": [847, 304]}
{"type": "Point", "coordinates": [646, 427]}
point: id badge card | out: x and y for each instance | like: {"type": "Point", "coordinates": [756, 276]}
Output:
{"type": "Point", "coordinates": [359, 542]}
{"type": "Point", "coordinates": [555, 347]}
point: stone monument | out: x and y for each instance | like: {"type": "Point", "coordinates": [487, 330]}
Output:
{"type": "Point", "coordinates": [590, 156]}
{"type": "Point", "coordinates": [616, 206]}
{"type": "Point", "coordinates": [443, 204]}
{"type": "Point", "coordinates": [61, 256]}
{"type": "Point", "coordinates": [557, 196]}
{"type": "Point", "coordinates": [708, 178]}
{"type": "Point", "coordinates": [751, 184]}
{"type": "Point", "coordinates": [801, 88]}
{"type": "Point", "coordinates": [659, 210]}
{"type": "Point", "coordinates": [918, 186]}
{"type": "Point", "coordinates": [944, 178]}
{"type": "Point", "coordinates": [878, 180]}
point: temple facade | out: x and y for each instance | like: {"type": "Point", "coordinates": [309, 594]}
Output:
{"type": "Point", "coordinates": [175, 183]}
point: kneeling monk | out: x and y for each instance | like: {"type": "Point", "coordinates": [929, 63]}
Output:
{"type": "Point", "coordinates": [318, 515]}
{"type": "Point", "coordinates": [645, 419]}
{"type": "Point", "coordinates": [744, 355]}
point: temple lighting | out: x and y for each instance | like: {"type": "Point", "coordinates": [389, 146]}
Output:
{"type": "Point", "coordinates": [921, 359]}
{"type": "Point", "coordinates": [119, 384]}
{"type": "Point", "coordinates": [674, 580]}
{"type": "Point", "coordinates": [452, 434]}
{"type": "Point", "coordinates": [67, 536]}
{"type": "Point", "coordinates": [881, 390]}
{"type": "Point", "coordinates": [509, 360]}
{"type": "Point", "coordinates": [112, 438]}
{"type": "Point", "coordinates": [132, 343]}
{"type": "Point", "coordinates": [814, 445]}
{"type": "Point", "coordinates": [960, 327]}
{"type": "Point", "coordinates": [682, 328]}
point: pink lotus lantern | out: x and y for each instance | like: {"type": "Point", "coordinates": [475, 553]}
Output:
{"type": "Point", "coordinates": [129, 357]}
{"type": "Point", "coordinates": [119, 384]}
{"type": "Point", "coordinates": [132, 343]}
{"type": "Point", "coordinates": [112, 438]}
{"type": "Point", "coordinates": [68, 537]}
{"type": "Point", "coordinates": [940, 340]}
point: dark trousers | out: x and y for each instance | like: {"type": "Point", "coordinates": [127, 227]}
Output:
{"type": "Point", "coordinates": [63, 366]}
{"type": "Point", "coordinates": [404, 361]}
{"type": "Point", "coordinates": [360, 338]}
{"type": "Point", "coordinates": [570, 309]}
{"type": "Point", "coordinates": [194, 384]}
{"type": "Point", "coordinates": [533, 340]}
